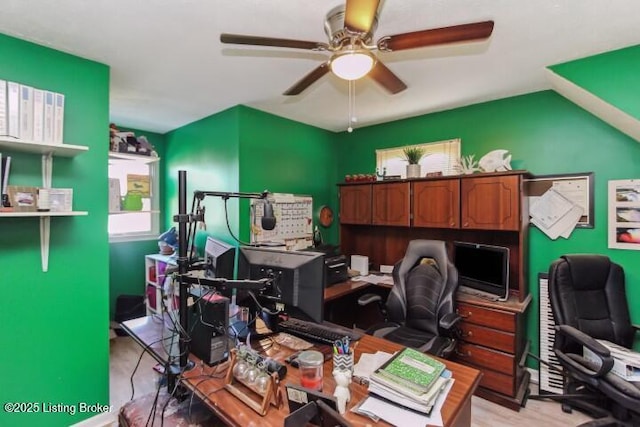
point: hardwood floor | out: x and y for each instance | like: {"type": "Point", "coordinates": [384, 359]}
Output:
{"type": "Point", "coordinates": [125, 353]}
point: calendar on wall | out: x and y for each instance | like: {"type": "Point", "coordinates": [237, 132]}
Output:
{"type": "Point", "coordinates": [294, 221]}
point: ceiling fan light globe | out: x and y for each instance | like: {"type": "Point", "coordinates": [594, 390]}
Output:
{"type": "Point", "coordinates": [352, 65]}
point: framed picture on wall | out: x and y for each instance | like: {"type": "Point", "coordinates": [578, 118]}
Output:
{"type": "Point", "coordinates": [624, 214]}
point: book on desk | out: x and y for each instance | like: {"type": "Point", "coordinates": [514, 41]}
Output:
{"type": "Point", "coordinates": [410, 379]}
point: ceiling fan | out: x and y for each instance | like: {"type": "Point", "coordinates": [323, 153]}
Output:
{"type": "Point", "coordinates": [350, 30]}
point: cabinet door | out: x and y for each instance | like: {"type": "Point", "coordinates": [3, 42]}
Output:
{"type": "Point", "coordinates": [391, 204]}
{"type": "Point", "coordinates": [491, 203]}
{"type": "Point", "coordinates": [436, 204]}
{"type": "Point", "coordinates": [355, 204]}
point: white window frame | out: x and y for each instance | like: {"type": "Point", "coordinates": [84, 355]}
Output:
{"type": "Point", "coordinates": [440, 156]}
{"type": "Point", "coordinates": [151, 213]}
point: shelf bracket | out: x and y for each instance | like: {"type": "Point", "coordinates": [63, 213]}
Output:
{"type": "Point", "coordinates": [45, 226]}
{"type": "Point", "coordinates": [45, 221]}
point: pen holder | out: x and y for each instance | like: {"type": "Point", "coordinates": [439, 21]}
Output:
{"type": "Point", "coordinates": [343, 362]}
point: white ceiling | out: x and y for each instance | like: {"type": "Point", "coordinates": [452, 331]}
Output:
{"type": "Point", "coordinates": [168, 67]}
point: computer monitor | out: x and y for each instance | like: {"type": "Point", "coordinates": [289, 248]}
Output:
{"type": "Point", "coordinates": [483, 267]}
{"type": "Point", "coordinates": [220, 258]}
{"type": "Point", "coordinates": [298, 280]}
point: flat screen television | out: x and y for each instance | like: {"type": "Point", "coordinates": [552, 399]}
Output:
{"type": "Point", "coordinates": [219, 258]}
{"type": "Point", "coordinates": [483, 267]}
{"type": "Point", "coordinates": [297, 287]}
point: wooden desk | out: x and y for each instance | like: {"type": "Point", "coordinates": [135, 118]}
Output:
{"type": "Point", "coordinates": [341, 306]}
{"type": "Point", "coordinates": [208, 383]}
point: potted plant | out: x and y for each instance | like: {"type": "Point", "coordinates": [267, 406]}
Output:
{"type": "Point", "coordinates": [413, 155]}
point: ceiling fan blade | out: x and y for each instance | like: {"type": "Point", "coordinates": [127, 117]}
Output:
{"type": "Point", "coordinates": [360, 14]}
{"type": "Point", "coordinates": [269, 41]}
{"type": "Point", "coordinates": [308, 80]}
{"type": "Point", "coordinates": [386, 78]}
{"type": "Point", "coordinates": [456, 33]}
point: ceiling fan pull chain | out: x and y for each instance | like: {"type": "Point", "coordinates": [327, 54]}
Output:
{"type": "Point", "coordinates": [352, 105]}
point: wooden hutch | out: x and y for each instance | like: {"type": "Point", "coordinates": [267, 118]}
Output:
{"type": "Point", "coordinates": [378, 219]}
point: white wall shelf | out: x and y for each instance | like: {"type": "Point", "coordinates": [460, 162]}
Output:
{"type": "Point", "coordinates": [42, 214]}
{"type": "Point", "coordinates": [47, 151]}
{"type": "Point", "coordinates": [132, 157]}
{"type": "Point", "coordinates": [64, 150]}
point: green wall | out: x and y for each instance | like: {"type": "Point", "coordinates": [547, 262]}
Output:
{"type": "Point", "coordinates": [546, 134]}
{"type": "Point", "coordinates": [242, 149]}
{"type": "Point", "coordinates": [208, 150]}
{"type": "Point", "coordinates": [284, 156]}
{"type": "Point", "coordinates": [126, 259]}
{"type": "Point", "coordinates": [611, 76]}
{"type": "Point", "coordinates": [55, 331]}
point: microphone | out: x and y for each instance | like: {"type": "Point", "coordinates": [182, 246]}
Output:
{"type": "Point", "coordinates": [268, 220]}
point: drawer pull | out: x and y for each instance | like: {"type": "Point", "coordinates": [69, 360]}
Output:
{"type": "Point", "coordinates": [466, 334]}
{"type": "Point", "coordinates": [464, 316]}
{"type": "Point", "coordinates": [463, 354]}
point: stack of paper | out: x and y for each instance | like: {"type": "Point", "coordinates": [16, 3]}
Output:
{"type": "Point", "coordinates": [411, 379]}
{"type": "Point", "coordinates": [555, 215]}
{"type": "Point", "coordinates": [626, 362]}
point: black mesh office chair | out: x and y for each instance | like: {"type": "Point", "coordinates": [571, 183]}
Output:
{"type": "Point", "coordinates": [588, 300]}
{"type": "Point", "coordinates": [419, 311]}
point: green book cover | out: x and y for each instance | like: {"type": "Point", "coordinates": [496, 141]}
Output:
{"type": "Point", "coordinates": [413, 369]}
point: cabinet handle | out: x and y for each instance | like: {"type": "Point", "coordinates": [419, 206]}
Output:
{"type": "Point", "coordinates": [466, 224]}
{"type": "Point", "coordinates": [464, 316]}
{"type": "Point", "coordinates": [466, 334]}
{"type": "Point", "coordinates": [463, 354]}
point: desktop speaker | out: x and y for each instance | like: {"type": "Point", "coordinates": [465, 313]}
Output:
{"type": "Point", "coordinates": [208, 323]}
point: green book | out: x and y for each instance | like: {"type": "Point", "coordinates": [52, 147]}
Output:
{"type": "Point", "coordinates": [412, 369]}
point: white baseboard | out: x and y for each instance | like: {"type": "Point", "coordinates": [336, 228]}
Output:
{"type": "Point", "coordinates": [106, 419]}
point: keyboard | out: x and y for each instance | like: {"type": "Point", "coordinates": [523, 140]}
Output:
{"type": "Point", "coordinates": [316, 332]}
{"type": "Point", "coordinates": [478, 293]}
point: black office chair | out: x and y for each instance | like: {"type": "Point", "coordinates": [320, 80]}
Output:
{"type": "Point", "coordinates": [419, 311]}
{"type": "Point", "coordinates": [588, 300]}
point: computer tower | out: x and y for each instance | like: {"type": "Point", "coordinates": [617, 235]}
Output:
{"type": "Point", "coordinates": [208, 323]}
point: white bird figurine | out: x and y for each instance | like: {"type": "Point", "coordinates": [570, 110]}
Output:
{"type": "Point", "coordinates": [496, 161]}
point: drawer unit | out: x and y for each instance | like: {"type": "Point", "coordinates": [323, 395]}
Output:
{"type": "Point", "coordinates": [492, 340]}
{"type": "Point", "coordinates": [500, 340]}
{"type": "Point", "coordinates": [498, 319]}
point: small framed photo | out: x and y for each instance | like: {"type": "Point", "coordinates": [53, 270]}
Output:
{"type": "Point", "coordinates": [61, 199]}
{"type": "Point", "coordinates": [624, 214]}
{"type": "Point", "coordinates": [23, 199]}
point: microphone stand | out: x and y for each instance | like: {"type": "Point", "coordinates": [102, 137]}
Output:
{"type": "Point", "coordinates": [184, 261]}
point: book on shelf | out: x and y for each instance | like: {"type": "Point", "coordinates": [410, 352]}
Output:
{"type": "Point", "coordinates": [3, 107]}
{"type": "Point", "coordinates": [58, 119]}
{"type": "Point", "coordinates": [5, 165]}
{"type": "Point", "coordinates": [47, 116]}
{"type": "Point", "coordinates": [13, 109]}
{"type": "Point", "coordinates": [38, 115]}
{"type": "Point", "coordinates": [26, 112]}
{"type": "Point", "coordinates": [410, 370]}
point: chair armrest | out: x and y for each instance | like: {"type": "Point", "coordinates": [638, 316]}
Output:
{"type": "Point", "coordinates": [367, 299]}
{"type": "Point", "coordinates": [449, 320]}
{"type": "Point", "coordinates": [635, 327]}
{"type": "Point", "coordinates": [578, 362]}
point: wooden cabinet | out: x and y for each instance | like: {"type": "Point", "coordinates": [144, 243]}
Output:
{"type": "Point", "coordinates": [491, 203]}
{"type": "Point", "coordinates": [493, 341]}
{"type": "Point", "coordinates": [484, 208]}
{"type": "Point", "coordinates": [355, 204]}
{"type": "Point", "coordinates": [391, 204]}
{"type": "Point", "coordinates": [436, 203]}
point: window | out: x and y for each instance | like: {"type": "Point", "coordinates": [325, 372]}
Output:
{"type": "Point", "coordinates": [441, 156]}
{"type": "Point", "coordinates": [133, 197]}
